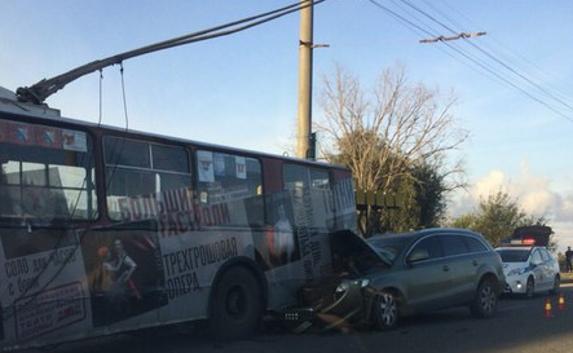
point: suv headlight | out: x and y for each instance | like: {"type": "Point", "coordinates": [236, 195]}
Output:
{"type": "Point", "coordinates": [362, 282]}
{"type": "Point", "coordinates": [342, 287]}
{"type": "Point", "coordinates": [517, 271]}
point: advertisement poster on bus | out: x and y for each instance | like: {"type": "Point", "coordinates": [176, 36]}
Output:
{"type": "Point", "coordinates": [278, 246]}
{"type": "Point", "coordinates": [43, 291]}
{"type": "Point", "coordinates": [124, 274]}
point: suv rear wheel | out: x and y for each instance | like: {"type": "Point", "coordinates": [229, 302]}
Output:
{"type": "Point", "coordinates": [485, 301]}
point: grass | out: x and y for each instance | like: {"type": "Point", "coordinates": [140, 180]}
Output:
{"type": "Point", "coordinates": [567, 277]}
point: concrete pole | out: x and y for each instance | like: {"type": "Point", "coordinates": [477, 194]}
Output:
{"type": "Point", "coordinates": [305, 81]}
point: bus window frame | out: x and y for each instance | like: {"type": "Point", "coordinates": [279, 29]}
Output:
{"type": "Point", "coordinates": [93, 147]}
{"type": "Point", "coordinates": [198, 148]}
{"type": "Point", "coordinates": [328, 170]}
{"type": "Point", "coordinates": [149, 141]}
{"type": "Point", "coordinates": [309, 167]}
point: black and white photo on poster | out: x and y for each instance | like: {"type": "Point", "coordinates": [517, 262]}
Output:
{"type": "Point", "coordinates": [125, 275]}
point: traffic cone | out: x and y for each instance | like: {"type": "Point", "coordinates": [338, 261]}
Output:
{"type": "Point", "coordinates": [548, 308]}
{"type": "Point", "coordinates": [561, 301]}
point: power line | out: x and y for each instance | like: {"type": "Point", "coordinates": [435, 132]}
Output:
{"type": "Point", "coordinates": [417, 29]}
{"type": "Point", "coordinates": [41, 90]}
{"type": "Point", "coordinates": [469, 57]}
{"type": "Point", "coordinates": [503, 48]}
{"type": "Point", "coordinates": [490, 55]}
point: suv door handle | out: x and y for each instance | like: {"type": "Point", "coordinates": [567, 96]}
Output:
{"type": "Point", "coordinates": [474, 262]}
{"type": "Point", "coordinates": [446, 268]}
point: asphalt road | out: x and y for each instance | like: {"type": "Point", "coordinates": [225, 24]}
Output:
{"type": "Point", "coordinates": [520, 326]}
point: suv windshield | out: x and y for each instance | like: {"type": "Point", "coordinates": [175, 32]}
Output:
{"type": "Point", "coordinates": [387, 249]}
{"type": "Point", "coordinates": [513, 255]}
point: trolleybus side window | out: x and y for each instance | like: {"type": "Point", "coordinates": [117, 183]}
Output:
{"type": "Point", "coordinates": [138, 173]}
{"type": "Point", "coordinates": [46, 173]}
{"type": "Point", "coordinates": [230, 189]}
{"type": "Point", "coordinates": [312, 183]}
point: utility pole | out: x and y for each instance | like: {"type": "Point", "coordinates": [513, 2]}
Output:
{"type": "Point", "coordinates": [304, 125]}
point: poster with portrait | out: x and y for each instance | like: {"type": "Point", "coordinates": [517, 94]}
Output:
{"type": "Point", "coordinates": [278, 245]}
{"type": "Point", "coordinates": [124, 274]}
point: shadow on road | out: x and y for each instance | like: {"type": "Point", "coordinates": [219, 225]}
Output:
{"type": "Point", "coordinates": [519, 326]}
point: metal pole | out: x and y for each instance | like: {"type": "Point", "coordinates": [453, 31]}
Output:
{"type": "Point", "coordinates": [305, 82]}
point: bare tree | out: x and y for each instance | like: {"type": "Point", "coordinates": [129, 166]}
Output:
{"type": "Point", "coordinates": [380, 133]}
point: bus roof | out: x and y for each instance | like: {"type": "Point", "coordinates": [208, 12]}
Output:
{"type": "Point", "coordinates": [10, 104]}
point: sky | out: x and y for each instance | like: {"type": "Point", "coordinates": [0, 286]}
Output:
{"type": "Point", "coordinates": [241, 90]}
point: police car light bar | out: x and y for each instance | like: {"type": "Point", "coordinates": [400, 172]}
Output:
{"type": "Point", "coordinates": [523, 241]}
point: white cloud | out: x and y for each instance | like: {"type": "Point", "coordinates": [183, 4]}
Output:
{"type": "Point", "coordinates": [534, 193]}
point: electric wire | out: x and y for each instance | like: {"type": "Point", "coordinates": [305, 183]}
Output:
{"type": "Point", "coordinates": [41, 90]}
{"type": "Point", "coordinates": [490, 55]}
{"type": "Point", "coordinates": [484, 66]}
{"type": "Point", "coordinates": [502, 49]}
{"type": "Point", "coordinates": [81, 236]}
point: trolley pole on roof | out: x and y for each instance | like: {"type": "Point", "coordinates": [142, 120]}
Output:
{"type": "Point", "coordinates": [304, 146]}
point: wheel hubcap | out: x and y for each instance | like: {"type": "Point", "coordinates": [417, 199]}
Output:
{"type": "Point", "coordinates": [388, 310]}
{"type": "Point", "coordinates": [487, 299]}
{"type": "Point", "coordinates": [236, 303]}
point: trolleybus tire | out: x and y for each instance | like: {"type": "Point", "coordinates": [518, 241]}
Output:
{"type": "Point", "coordinates": [237, 305]}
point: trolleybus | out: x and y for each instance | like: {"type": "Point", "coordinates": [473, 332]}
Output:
{"type": "Point", "coordinates": [104, 230]}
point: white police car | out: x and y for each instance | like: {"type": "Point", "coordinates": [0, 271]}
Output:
{"type": "Point", "coordinates": [529, 270]}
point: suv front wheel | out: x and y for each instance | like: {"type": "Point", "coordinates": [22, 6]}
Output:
{"type": "Point", "coordinates": [484, 304]}
{"type": "Point", "coordinates": [385, 311]}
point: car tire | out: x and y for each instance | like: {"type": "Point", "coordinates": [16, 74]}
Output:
{"type": "Point", "coordinates": [385, 311]}
{"type": "Point", "coordinates": [484, 304]}
{"type": "Point", "coordinates": [237, 307]}
{"type": "Point", "coordinates": [530, 288]}
{"type": "Point", "coordinates": [556, 285]}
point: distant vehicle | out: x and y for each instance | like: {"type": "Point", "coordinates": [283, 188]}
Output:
{"type": "Point", "coordinates": [530, 235]}
{"type": "Point", "coordinates": [389, 276]}
{"type": "Point", "coordinates": [529, 270]}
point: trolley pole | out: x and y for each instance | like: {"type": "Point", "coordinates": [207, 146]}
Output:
{"type": "Point", "coordinates": [304, 147]}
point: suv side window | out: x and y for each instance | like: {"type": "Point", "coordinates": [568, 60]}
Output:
{"type": "Point", "coordinates": [454, 245]}
{"type": "Point", "coordinates": [474, 245]}
{"type": "Point", "coordinates": [429, 248]}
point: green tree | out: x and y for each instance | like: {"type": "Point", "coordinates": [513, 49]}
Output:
{"type": "Point", "coordinates": [422, 198]}
{"type": "Point", "coordinates": [431, 189]}
{"type": "Point", "coordinates": [496, 217]}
